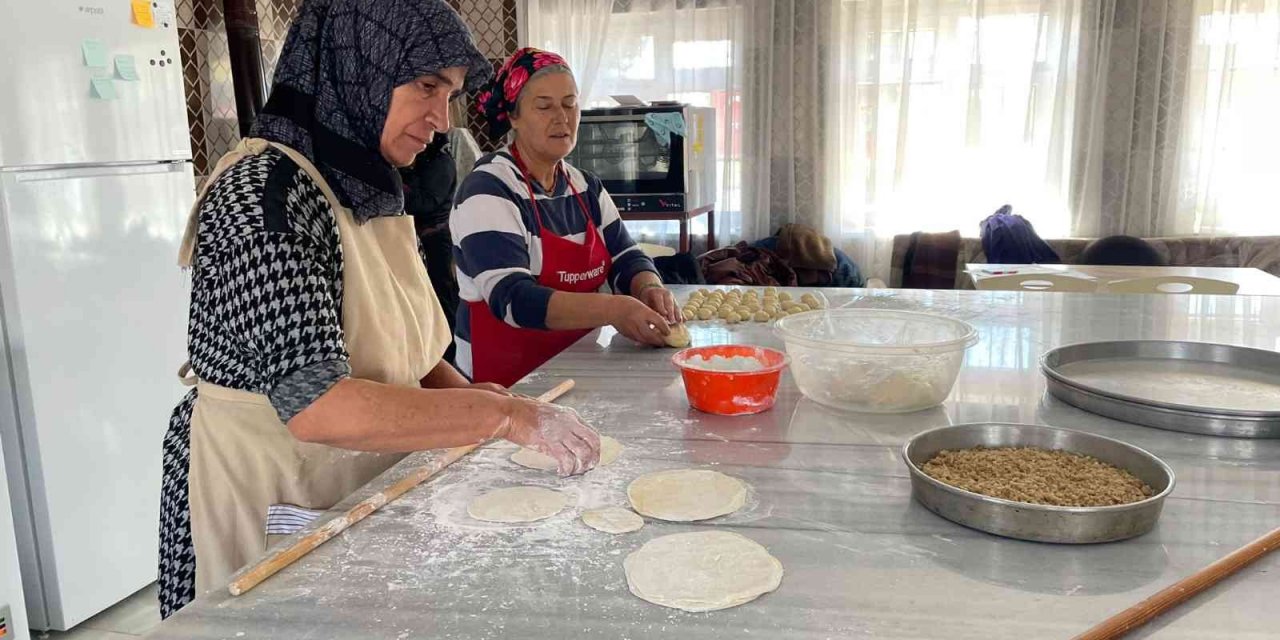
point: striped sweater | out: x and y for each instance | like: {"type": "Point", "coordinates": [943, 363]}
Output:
{"type": "Point", "coordinates": [498, 252]}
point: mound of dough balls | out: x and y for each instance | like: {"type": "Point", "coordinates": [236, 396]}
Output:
{"type": "Point", "coordinates": [746, 305]}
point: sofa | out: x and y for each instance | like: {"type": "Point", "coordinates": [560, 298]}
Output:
{"type": "Point", "coordinates": [921, 260]}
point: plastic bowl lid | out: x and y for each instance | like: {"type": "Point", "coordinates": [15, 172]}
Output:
{"type": "Point", "coordinates": [807, 329]}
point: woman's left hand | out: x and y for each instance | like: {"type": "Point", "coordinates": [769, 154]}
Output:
{"type": "Point", "coordinates": [491, 388]}
{"type": "Point", "coordinates": [661, 301]}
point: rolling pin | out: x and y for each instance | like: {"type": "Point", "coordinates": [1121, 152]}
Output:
{"type": "Point", "coordinates": [273, 563]}
{"type": "Point", "coordinates": [1175, 594]}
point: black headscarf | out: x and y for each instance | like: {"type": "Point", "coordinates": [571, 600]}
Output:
{"type": "Point", "coordinates": [333, 85]}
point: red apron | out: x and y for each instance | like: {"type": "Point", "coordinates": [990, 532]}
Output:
{"type": "Point", "coordinates": [503, 354]}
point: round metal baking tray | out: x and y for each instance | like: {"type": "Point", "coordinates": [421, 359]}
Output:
{"type": "Point", "coordinates": [1153, 412]}
{"type": "Point", "coordinates": [1040, 523]}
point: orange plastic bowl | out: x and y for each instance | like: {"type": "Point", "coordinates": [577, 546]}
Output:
{"type": "Point", "coordinates": [731, 393]}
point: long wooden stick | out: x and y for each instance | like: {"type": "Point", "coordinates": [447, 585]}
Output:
{"type": "Point", "coordinates": [268, 566]}
{"type": "Point", "coordinates": [1142, 613]}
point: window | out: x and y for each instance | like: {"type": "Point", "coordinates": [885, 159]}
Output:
{"type": "Point", "coordinates": [946, 114]}
{"type": "Point", "coordinates": [1231, 130]}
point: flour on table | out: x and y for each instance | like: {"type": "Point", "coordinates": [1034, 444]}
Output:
{"type": "Point", "coordinates": [702, 571]}
{"type": "Point", "coordinates": [610, 449]}
{"type": "Point", "coordinates": [517, 504]}
{"type": "Point", "coordinates": [612, 520]}
{"type": "Point", "coordinates": [685, 495]}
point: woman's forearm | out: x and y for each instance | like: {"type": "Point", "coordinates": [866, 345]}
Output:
{"type": "Point", "coordinates": [444, 376]}
{"type": "Point", "coordinates": [644, 280]}
{"type": "Point", "coordinates": [581, 310]}
{"type": "Point", "coordinates": [370, 416]}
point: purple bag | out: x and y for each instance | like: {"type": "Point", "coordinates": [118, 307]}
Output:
{"type": "Point", "coordinates": [1007, 238]}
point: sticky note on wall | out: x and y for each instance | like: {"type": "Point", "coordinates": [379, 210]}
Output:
{"type": "Point", "coordinates": [126, 68]}
{"type": "Point", "coordinates": [142, 15]}
{"type": "Point", "coordinates": [95, 53]}
{"type": "Point", "coordinates": [102, 88]}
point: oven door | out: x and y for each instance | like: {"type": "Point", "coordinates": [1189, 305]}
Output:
{"type": "Point", "coordinates": [627, 156]}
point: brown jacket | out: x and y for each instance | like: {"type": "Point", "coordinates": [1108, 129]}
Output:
{"type": "Point", "coordinates": [745, 265]}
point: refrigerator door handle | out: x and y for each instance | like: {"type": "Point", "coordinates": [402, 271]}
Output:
{"type": "Point", "coordinates": [98, 171]}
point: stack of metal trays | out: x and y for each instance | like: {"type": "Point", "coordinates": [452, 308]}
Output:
{"type": "Point", "coordinates": [1194, 387]}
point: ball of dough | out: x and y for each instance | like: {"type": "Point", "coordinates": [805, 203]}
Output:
{"type": "Point", "coordinates": [704, 314]}
{"type": "Point", "coordinates": [724, 313]}
{"type": "Point", "coordinates": [687, 315]}
{"type": "Point", "coordinates": [814, 306]}
{"type": "Point", "coordinates": [784, 296]}
{"type": "Point", "coordinates": [760, 316]}
{"type": "Point", "coordinates": [678, 337]}
{"type": "Point", "coordinates": [732, 318]}
{"type": "Point", "coordinates": [770, 289]}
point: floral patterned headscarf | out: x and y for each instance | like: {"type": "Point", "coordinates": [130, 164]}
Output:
{"type": "Point", "coordinates": [496, 101]}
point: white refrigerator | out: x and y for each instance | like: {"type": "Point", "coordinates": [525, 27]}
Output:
{"type": "Point", "coordinates": [95, 185]}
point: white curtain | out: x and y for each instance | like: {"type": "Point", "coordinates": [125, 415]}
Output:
{"type": "Point", "coordinates": [684, 50]}
{"type": "Point", "coordinates": [1230, 130]}
{"type": "Point", "coordinates": [869, 118]}
{"type": "Point", "coordinates": [575, 29]}
{"type": "Point", "coordinates": [1179, 118]}
{"type": "Point", "coordinates": [788, 128]}
{"type": "Point", "coordinates": [943, 111]}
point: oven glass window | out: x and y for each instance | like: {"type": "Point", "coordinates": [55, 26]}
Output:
{"type": "Point", "coordinates": [621, 151]}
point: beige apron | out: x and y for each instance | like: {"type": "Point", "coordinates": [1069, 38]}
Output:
{"type": "Point", "coordinates": [243, 459]}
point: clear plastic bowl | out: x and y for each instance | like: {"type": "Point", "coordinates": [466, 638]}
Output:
{"type": "Point", "coordinates": [875, 360]}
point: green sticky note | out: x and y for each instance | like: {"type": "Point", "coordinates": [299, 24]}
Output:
{"type": "Point", "coordinates": [95, 53]}
{"type": "Point", "coordinates": [126, 68]}
{"type": "Point", "coordinates": [102, 88]}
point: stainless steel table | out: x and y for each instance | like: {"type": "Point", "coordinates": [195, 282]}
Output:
{"type": "Point", "coordinates": [831, 500]}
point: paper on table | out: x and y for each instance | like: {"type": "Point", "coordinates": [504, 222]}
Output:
{"type": "Point", "coordinates": [95, 52]}
{"type": "Point", "coordinates": [1032, 269]}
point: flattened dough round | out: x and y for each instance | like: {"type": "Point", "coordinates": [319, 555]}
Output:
{"type": "Point", "coordinates": [679, 336]}
{"type": "Point", "coordinates": [517, 504]}
{"type": "Point", "coordinates": [610, 449]}
{"type": "Point", "coordinates": [702, 571]}
{"type": "Point", "coordinates": [685, 495]}
{"type": "Point", "coordinates": [612, 520]}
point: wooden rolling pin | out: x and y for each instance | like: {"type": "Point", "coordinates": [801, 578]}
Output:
{"type": "Point", "coordinates": [1142, 613]}
{"type": "Point", "coordinates": [273, 563]}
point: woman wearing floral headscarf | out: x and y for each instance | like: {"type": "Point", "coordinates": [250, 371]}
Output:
{"type": "Point", "coordinates": [315, 339]}
{"type": "Point", "coordinates": [536, 239]}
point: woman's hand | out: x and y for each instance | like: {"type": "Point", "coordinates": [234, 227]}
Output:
{"type": "Point", "coordinates": [554, 431]}
{"type": "Point", "coordinates": [635, 320]}
{"type": "Point", "coordinates": [659, 299]}
{"type": "Point", "coordinates": [491, 388]}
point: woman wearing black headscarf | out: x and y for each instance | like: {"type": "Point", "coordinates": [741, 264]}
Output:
{"type": "Point", "coordinates": [315, 339]}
